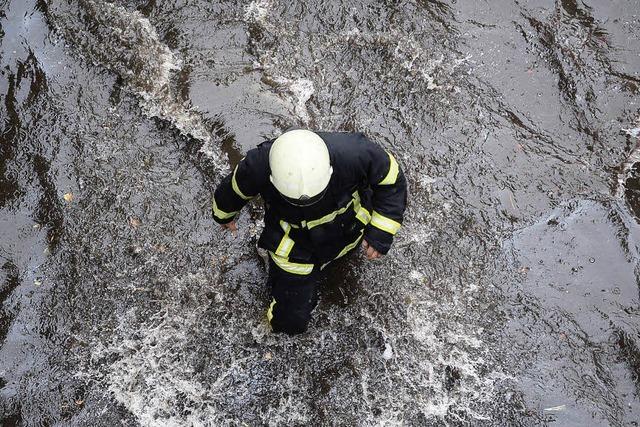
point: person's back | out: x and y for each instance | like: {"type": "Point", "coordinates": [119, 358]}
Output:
{"type": "Point", "coordinates": [324, 193]}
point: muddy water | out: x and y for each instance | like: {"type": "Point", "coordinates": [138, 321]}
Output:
{"type": "Point", "coordinates": [511, 295]}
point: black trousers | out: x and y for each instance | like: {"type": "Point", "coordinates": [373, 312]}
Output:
{"type": "Point", "coordinates": [293, 297]}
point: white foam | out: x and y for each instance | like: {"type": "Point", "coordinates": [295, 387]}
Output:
{"type": "Point", "coordinates": [453, 346]}
{"type": "Point", "coordinates": [411, 56]}
{"type": "Point", "coordinates": [387, 354]}
{"type": "Point", "coordinates": [140, 379]}
{"type": "Point", "coordinates": [132, 48]}
{"type": "Point", "coordinates": [632, 132]}
{"type": "Point", "coordinates": [294, 91]}
{"type": "Point", "coordinates": [257, 11]}
{"type": "Point", "coordinates": [299, 91]}
{"type": "Point", "coordinates": [632, 158]}
{"type": "Point", "coordinates": [416, 276]}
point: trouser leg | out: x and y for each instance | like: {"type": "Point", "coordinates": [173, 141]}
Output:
{"type": "Point", "coordinates": [293, 297]}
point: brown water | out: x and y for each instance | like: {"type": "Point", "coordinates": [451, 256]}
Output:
{"type": "Point", "coordinates": [511, 296]}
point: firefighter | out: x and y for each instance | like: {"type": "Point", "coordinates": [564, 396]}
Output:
{"type": "Point", "coordinates": [324, 194]}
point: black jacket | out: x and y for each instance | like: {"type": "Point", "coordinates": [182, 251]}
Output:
{"type": "Point", "coordinates": [367, 194]}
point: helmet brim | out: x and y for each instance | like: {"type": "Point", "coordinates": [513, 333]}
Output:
{"type": "Point", "coordinates": [305, 201]}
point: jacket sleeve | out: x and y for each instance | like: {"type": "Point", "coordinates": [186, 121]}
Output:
{"type": "Point", "coordinates": [389, 186]}
{"type": "Point", "coordinates": [240, 186]}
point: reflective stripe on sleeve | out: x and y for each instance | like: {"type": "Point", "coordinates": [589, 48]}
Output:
{"type": "Point", "coordinates": [236, 189]}
{"type": "Point", "coordinates": [220, 213]}
{"type": "Point", "coordinates": [286, 244]}
{"type": "Point", "coordinates": [363, 215]}
{"type": "Point", "coordinates": [361, 212]}
{"type": "Point", "coordinates": [291, 267]}
{"type": "Point", "coordinates": [392, 176]}
{"type": "Point", "coordinates": [384, 223]}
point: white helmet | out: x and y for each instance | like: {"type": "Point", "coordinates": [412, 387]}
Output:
{"type": "Point", "coordinates": [300, 166]}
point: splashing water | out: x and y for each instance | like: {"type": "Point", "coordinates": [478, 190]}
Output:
{"type": "Point", "coordinates": [510, 295]}
{"type": "Point", "coordinates": [127, 44]}
{"type": "Point", "coordinates": [630, 161]}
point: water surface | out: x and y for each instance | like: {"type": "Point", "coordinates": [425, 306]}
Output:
{"type": "Point", "coordinates": [511, 296]}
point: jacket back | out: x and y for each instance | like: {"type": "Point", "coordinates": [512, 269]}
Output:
{"type": "Point", "coordinates": [366, 197]}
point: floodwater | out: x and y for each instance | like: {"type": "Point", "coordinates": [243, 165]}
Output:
{"type": "Point", "coordinates": [511, 296]}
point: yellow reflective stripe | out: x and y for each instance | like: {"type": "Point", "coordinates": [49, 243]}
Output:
{"type": "Point", "coordinates": [392, 176]}
{"type": "Point", "coordinates": [220, 213]}
{"type": "Point", "coordinates": [270, 310]}
{"type": "Point", "coordinates": [384, 223]}
{"type": "Point", "coordinates": [350, 246]}
{"type": "Point", "coordinates": [291, 267]}
{"type": "Point", "coordinates": [285, 226]}
{"type": "Point", "coordinates": [346, 249]}
{"type": "Point", "coordinates": [234, 185]}
{"type": "Point", "coordinates": [330, 217]}
{"type": "Point", "coordinates": [284, 249]}
{"type": "Point", "coordinates": [286, 244]}
{"type": "Point", "coordinates": [361, 213]}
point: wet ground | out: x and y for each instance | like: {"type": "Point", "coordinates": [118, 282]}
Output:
{"type": "Point", "coordinates": [511, 296]}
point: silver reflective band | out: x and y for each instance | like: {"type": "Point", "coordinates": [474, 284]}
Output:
{"type": "Point", "coordinates": [385, 224]}
{"type": "Point", "coordinates": [291, 267]}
